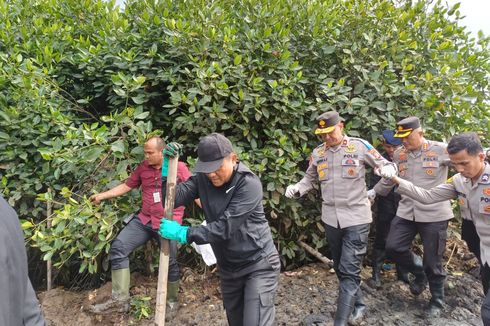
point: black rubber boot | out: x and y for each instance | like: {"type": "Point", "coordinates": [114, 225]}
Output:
{"type": "Point", "coordinates": [436, 301]}
{"type": "Point", "coordinates": [402, 275]}
{"type": "Point", "coordinates": [417, 286]}
{"type": "Point", "coordinates": [377, 263]}
{"type": "Point", "coordinates": [345, 305]}
{"type": "Point", "coordinates": [359, 309]}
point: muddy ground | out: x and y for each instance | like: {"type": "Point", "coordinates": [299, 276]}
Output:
{"type": "Point", "coordinates": [306, 296]}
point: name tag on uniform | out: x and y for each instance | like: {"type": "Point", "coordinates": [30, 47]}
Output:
{"type": "Point", "coordinates": [156, 197]}
{"type": "Point", "coordinates": [350, 162]}
{"type": "Point", "coordinates": [430, 164]}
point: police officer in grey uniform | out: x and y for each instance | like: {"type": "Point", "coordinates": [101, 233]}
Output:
{"type": "Point", "coordinates": [471, 187]}
{"type": "Point", "coordinates": [18, 303]}
{"type": "Point", "coordinates": [425, 163]}
{"type": "Point", "coordinates": [338, 164]}
{"type": "Point", "coordinates": [231, 197]}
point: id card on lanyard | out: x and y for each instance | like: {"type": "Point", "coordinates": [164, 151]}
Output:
{"type": "Point", "coordinates": [156, 193]}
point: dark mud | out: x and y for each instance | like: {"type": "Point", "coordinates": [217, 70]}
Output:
{"type": "Point", "coordinates": [306, 296]}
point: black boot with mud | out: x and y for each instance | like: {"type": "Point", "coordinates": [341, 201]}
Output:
{"type": "Point", "coordinates": [417, 286]}
{"type": "Point", "coordinates": [436, 303]}
{"type": "Point", "coordinates": [402, 275]}
{"type": "Point", "coordinates": [378, 259]}
{"type": "Point", "coordinates": [345, 306]}
{"type": "Point", "coordinates": [357, 315]}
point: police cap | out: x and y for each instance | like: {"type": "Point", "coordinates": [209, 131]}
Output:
{"type": "Point", "coordinates": [389, 138]}
{"type": "Point", "coordinates": [406, 126]}
{"type": "Point", "coordinates": [326, 122]}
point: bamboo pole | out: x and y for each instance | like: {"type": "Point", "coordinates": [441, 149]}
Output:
{"type": "Point", "coordinates": [165, 247]}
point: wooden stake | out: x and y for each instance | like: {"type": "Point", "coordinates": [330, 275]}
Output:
{"type": "Point", "coordinates": [49, 266]}
{"type": "Point", "coordinates": [315, 253]}
{"type": "Point", "coordinates": [165, 247]}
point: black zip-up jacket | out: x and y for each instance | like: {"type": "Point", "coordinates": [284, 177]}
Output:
{"type": "Point", "coordinates": [236, 225]}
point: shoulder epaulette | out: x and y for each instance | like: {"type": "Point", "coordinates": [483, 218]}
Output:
{"type": "Point", "coordinates": [363, 141]}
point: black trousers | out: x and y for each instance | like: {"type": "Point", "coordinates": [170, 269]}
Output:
{"type": "Point", "coordinates": [433, 235]}
{"type": "Point", "coordinates": [382, 230]}
{"type": "Point", "coordinates": [134, 235]}
{"type": "Point", "coordinates": [248, 294]}
{"type": "Point", "coordinates": [348, 247]}
{"type": "Point", "coordinates": [470, 236]}
{"type": "Point", "coordinates": [485, 308]}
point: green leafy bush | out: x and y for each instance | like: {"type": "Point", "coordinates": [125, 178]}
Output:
{"type": "Point", "coordinates": [83, 84]}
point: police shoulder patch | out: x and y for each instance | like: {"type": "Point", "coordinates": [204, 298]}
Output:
{"type": "Point", "coordinates": [319, 146]}
{"type": "Point", "coordinates": [442, 146]}
{"type": "Point", "coordinates": [364, 142]}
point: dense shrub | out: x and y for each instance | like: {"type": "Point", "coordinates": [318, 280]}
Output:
{"type": "Point", "coordinates": [83, 83]}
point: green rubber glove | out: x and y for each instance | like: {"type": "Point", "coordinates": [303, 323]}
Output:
{"type": "Point", "coordinates": [173, 231]}
{"type": "Point", "coordinates": [172, 149]}
{"type": "Point", "coordinates": [165, 165]}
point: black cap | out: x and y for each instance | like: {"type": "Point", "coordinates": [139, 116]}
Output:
{"type": "Point", "coordinates": [406, 126]}
{"type": "Point", "coordinates": [211, 151]}
{"type": "Point", "coordinates": [326, 122]}
{"type": "Point", "coordinates": [389, 138]}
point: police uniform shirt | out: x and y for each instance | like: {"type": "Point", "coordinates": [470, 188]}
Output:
{"type": "Point", "coordinates": [340, 170]}
{"type": "Point", "coordinates": [426, 168]}
{"type": "Point", "coordinates": [473, 200]}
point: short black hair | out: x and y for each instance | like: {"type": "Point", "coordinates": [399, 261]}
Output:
{"type": "Point", "coordinates": [468, 141]}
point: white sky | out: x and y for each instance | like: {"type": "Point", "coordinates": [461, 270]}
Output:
{"type": "Point", "coordinates": [477, 14]}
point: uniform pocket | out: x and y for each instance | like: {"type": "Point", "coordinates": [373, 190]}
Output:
{"type": "Point", "coordinates": [350, 168]}
{"type": "Point", "coordinates": [441, 245]}
{"type": "Point", "coordinates": [266, 299]}
{"type": "Point", "coordinates": [360, 242]}
{"type": "Point", "coordinates": [267, 309]}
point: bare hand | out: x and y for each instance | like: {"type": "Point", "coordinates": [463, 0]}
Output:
{"type": "Point", "coordinates": [96, 199]}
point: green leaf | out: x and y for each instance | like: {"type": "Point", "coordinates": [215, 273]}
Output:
{"type": "Point", "coordinates": [118, 146]}
{"type": "Point", "coordinates": [142, 115]}
{"type": "Point", "coordinates": [140, 99]}
{"type": "Point", "coordinates": [93, 153]}
{"type": "Point", "coordinates": [26, 225]}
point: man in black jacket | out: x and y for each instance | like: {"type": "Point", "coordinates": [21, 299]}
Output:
{"type": "Point", "coordinates": [231, 197]}
{"type": "Point", "coordinates": [18, 302]}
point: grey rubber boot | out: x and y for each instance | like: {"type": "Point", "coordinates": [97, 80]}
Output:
{"type": "Point", "coordinates": [119, 300]}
